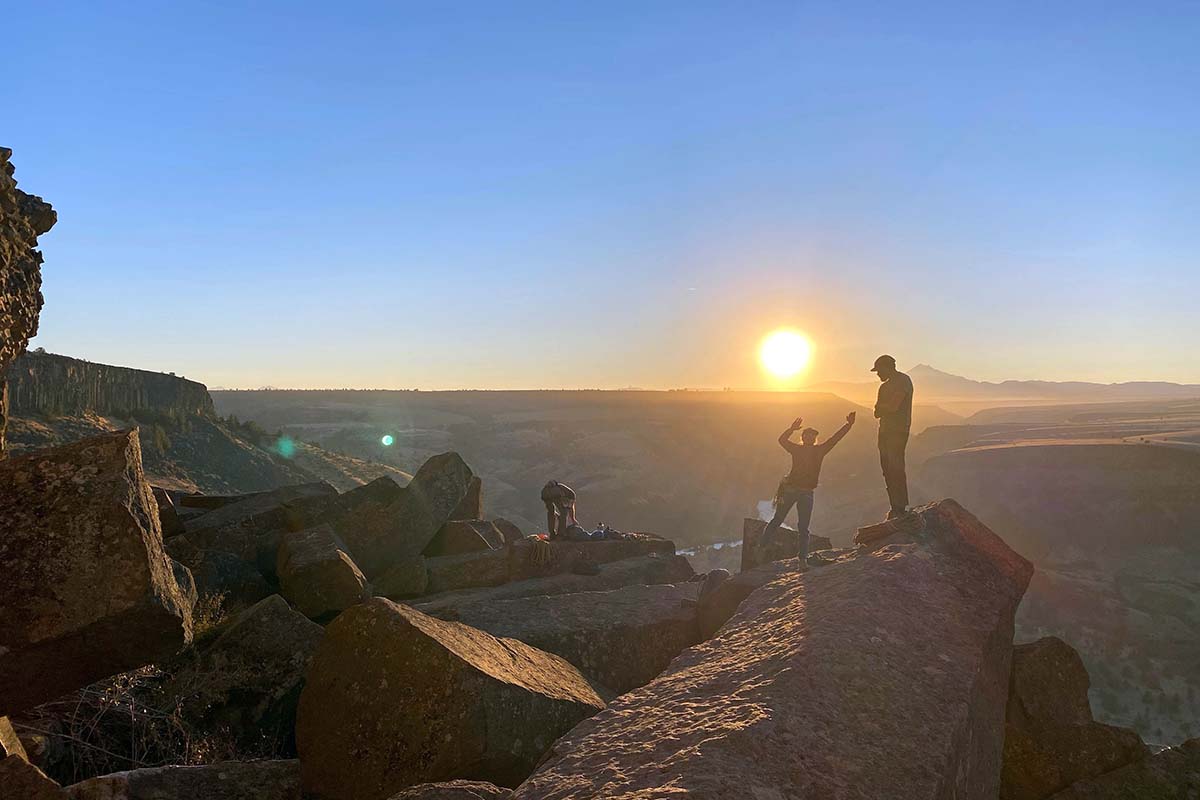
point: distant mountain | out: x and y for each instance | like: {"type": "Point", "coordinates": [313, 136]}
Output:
{"type": "Point", "coordinates": [936, 386]}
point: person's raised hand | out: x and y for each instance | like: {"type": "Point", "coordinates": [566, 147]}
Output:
{"type": "Point", "coordinates": [853, 415]}
{"type": "Point", "coordinates": [797, 423]}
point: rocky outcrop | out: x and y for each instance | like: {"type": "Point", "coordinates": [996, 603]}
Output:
{"type": "Point", "coordinates": [316, 575]}
{"type": "Point", "coordinates": [47, 384]}
{"type": "Point", "coordinates": [395, 697]}
{"type": "Point", "coordinates": [247, 682]}
{"type": "Point", "coordinates": [21, 780]}
{"type": "Point", "coordinates": [23, 218]}
{"type": "Point", "coordinates": [648, 570]}
{"type": "Point", "coordinates": [783, 544]}
{"type": "Point", "coordinates": [1173, 774]}
{"type": "Point", "coordinates": [405, 579]}
{"type": "Point", "coordinates": [251, 527]}
{"type": "Point", "coordinates": [620, 639]}
{"type": "Point", "coordinates": [85, 585]}
{"type": "Point", "coordinates": [228, 780]}
{"type": "Point", "coordinates": [455, 790]}
{"type": "Point", "coordinates": [883, 675]}
{"type": "Point", "coordinates": [1051, 740]}
{"type": "Point", "coordinates": [471, 506]}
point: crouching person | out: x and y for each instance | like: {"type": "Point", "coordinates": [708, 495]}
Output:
{"type": "Point", "coordinates": [560, 508]}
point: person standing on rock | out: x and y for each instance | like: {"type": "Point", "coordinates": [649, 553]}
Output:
{"type": "Point", "coordinates": [797, 487]}
{"type": "Point", "coordinates": [893, 409]}
{"type": "Point", "coordinates": [560, 508]}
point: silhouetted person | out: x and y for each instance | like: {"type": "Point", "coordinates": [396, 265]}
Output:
{"type": "Point", "coordinates": [796, 488]}
{"type": "Point", "coordinates": [560, 508]}
{"type": "Point", "coordinates": [893, 409]}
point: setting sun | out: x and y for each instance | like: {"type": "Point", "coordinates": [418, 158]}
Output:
{"type": "Point", "coordinates": [785, 353]}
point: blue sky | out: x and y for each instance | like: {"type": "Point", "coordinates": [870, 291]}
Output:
{"type": "Point", "coordinates": [608, 194]}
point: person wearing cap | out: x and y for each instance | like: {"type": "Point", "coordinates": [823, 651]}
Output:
{"type": "Point", "coordinates": [893, 409]}
{"type": "Point", "coordinates": [796, 488]}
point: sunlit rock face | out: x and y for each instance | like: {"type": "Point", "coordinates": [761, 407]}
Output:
{"type": "Point", "coordinates": [884, 674]}
{"type": "Point", "coordinates": [23, 217]}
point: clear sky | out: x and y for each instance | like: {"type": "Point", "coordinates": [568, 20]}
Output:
{"type": "Point", "coordinates": [602, 194]}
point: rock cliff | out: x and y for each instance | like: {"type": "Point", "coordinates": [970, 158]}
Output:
{"type": "Point", "coordinates": [23, 217]}
{"type": "Point", "coordinates": [41, 384]}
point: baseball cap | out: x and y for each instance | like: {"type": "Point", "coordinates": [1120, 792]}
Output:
{"type": "Point", "coordinates": [882, 361]}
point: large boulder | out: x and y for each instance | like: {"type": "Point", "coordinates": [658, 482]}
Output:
{"type": "Point", "coordinates": [20, 780]}
{"type": "Point", "coordinates": [1173, 774]}
{"type": "Point", "coordinates": [85, 585]}
{"type": "Point", "coordinates": [395, 697]}
{"type": "Point", "coordinates": [246, 683]}
{"type": "Point", "coordinates": [647, 570]}
{"type": "Point", "coordinates": [317, 575]}
{"type": "Point", "coordinates": [227, 780]}
{"type": "Point", "coordinates": [382, 526]}
{"type": "Point", "coordinates": [883, 675]}
{"type": "Point", "coordinates": [465, 536]}
{"type": "Point", "coordinates": [784, 543]}
{"type": "Point", "coordinates": [454, 790]}
{"type": "Point", "coordinates": [1050, 739]}
{"type": "Point", "coordinates": [405, 579]}
{"type": "Point", "coordinates": [620, 639]}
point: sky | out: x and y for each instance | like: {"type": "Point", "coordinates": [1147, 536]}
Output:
{"type": "Point", "coordinates": [567, 195]}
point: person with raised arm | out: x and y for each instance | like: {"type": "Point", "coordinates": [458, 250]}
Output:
{"type": "Point", "coordinates": [797, 487]}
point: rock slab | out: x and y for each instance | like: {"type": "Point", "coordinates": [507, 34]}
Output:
{"type": "Point", "coordinates": [455, 790]}
{"type": "Point", "coordinates": [227, 780]}
{"type": "Point", "coordinates": [86, 587]}
{"type": "Point", "coordinates": [395, 698]}
{"type": "Point", "coordinates": [883, 675]}
{"type": "Point", "coordinates": [1173, 774]}
{"type": "Point", "coordinates": [21, 780]}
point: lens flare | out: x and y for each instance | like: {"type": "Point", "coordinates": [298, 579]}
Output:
{"type": "Point", "coordinates": [785, 353]}
{"type": "Point", "coordinates": [388, 440]}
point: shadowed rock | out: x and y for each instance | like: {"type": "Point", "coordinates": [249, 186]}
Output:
{"type": "Point", "coordinates": [454, 790]}
{"type": "Point", "coordinates": [404, 579]}
{"type": "Point", "coordinates": [471, 506]}
{"type": "Point", "coordinates": [1051, 740]}
{"type": "Point", "coordinates": [240, 527]}
{"type": "Point", "coordinates": [883, 675]}
{"type": "Point", "coordinates": [783, 544]}
{"type": "Point", "coordinates": [516, 562]}
{"type": "Point", "coordinates": [620, 639]}
{"type": "Point", "coordinates": [647, 570]}
{"type": "Point", "coordinates": [248, 680]}
{"type": "Point", "coordinates": [465, 536]}
{"type": "Point", "coordinates": [228, 780]}
{"type": "Point", "coordinates": [1173, 774]}
{"type": "Point", "coordinates": [316, 575]}
{"type": "Point", "coordinates": [395, 697]}
{"type": "Point", "coordinates": [85, 585]}
{"type": "Point", "coordinates": [21, 780]}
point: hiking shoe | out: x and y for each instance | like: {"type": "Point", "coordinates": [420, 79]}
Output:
{"type": "Point", "coordinates": [818, 560]}
{"type": "Point", "coordinates": [894, 514]}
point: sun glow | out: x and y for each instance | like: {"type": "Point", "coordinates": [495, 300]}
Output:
{"type": "Point", "coordinates": [785, 353]}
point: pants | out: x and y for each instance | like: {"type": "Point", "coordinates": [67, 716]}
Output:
{"type": "Point", "coordinates": [891, 459]}
{"type": "Point", "coordinates": [802, 499]}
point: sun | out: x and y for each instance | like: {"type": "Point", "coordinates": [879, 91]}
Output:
{"type": "Point", "coordinates": [785, 353]}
